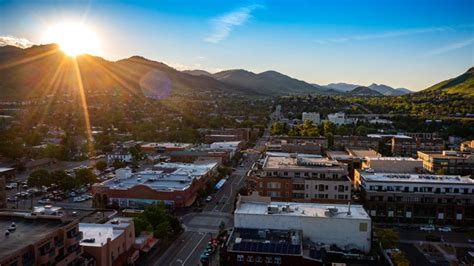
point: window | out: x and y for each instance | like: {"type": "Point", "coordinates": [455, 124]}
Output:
{"type": "Point", "coordinates": [258, 259]}
{"type": "Point", "coordinates": [285, 173]}
{"type": "Point", "coordinates": [306, 174]}
{"type": "Point", "coordinates": [322, 175]}
{"type": "Point", "coordinates": [249, 258]}
{"type": "Point", "coordinates": [240, 258]}
{"type": "Point", "coordinates": [268, 260]}
{"type": "Point", "coordinates": [363, 227]}
{"type": "Point", "coordinates": [277, 260]}
{"type": "Point", "coordinates": [321, 187]}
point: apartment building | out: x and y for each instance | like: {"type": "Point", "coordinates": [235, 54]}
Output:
{"type": "Point", "coordinates": [411, 145]}
{"type": "Point", "coordinates": [111, 243]}
{"type": "Point", "coordinates": [448, 162]}
{"type": "Point", "coordinates": [418, 198]}
{"type": "Point", "coordinates": [297, 178]}
{"type": "Point", "coordinates": [45, 236]}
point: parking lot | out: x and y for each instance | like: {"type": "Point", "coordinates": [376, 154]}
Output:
{"type": "Point", "coordinates": [435, 245]}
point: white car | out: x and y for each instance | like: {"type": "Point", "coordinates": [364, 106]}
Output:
{"type": "Point", "coordinates": [444, 229]}
{"type": "Point", "coordinates": [427, 228]}
{"type": "Point", "coordinates": [209, 198]}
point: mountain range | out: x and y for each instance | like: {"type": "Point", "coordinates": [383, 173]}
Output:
{"type": "Point", "coordinates": [39, 70]}
{"type": "Point", "coordinates": [364, 91]}
{"type": "Point", "coordinates": [380, 88]}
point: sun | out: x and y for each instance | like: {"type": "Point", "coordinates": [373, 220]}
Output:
{"type": "Point", "coordinates": [74, 39]}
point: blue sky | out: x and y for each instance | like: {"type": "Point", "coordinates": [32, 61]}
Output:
{"type": "Point", "coordinates": [400, 43]}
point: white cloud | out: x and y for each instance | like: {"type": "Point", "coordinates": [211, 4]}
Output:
{"type": "Point", "coordinates": [223, 25]}
{"type": "Point", "coordinates": [14, 41]}
{"type": "Point", "coordinates": [384, 35]}
{"type": "Point", "coordinates": [452, 46]}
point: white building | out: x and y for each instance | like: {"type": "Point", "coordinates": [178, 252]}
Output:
{"type": "Point", "coordinates": [311, 116]}
{"type": "Point", "coordinates": [232, 146]}
{"type": "Point", "coordinates": [338, 118]}
{"type": "Point", "coordinates": [119, 157]}
{"type": "Point", "coordinates": [342, 225]}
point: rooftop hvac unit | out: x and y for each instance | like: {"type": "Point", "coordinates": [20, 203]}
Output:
{"type": "Point", "coordinates": [331, 211]}
{"type": "Point", "coordinates": [272, 209]}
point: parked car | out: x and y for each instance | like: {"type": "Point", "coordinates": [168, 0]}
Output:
{"type": "Point", "coordinates": [470, 241]}
{"type": "Point", "coordinates": [444, 229]}
{"type": "Point", "coordinates": [44, 201]}
{"type": "Point", "coordinates": [12, 199]}
{"type": "Point", "coordinates": [427, 228]}
{"type": "Point", "coordinates": [209, 199]}
{"type": "Point", "coordinates": [11, 186]}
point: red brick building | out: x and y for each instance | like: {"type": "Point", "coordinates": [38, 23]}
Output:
{"type": "Point", "coordinates": [175, 184]}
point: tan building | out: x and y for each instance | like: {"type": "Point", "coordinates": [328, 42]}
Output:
{"type": "Point", "coordinates": [305, 179]}
{"type": "Point", "coordinates": [448, 162]}
{"type": "Point", "coordinates": [393, 164]}
{"type": "Point", "coordinates": [111, 243]}
{"type": "Point", "coordinates": [45, 236]}
{"type": "Point", "coordinates": [361, 153]}
{"type": "Point", "coordinates": [467, 146]}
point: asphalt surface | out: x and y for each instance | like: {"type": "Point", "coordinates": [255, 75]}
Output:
{"type": "Point", "coordinates": [201, 226]}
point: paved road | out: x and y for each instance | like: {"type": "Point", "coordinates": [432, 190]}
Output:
{"type": "Point", "coordinates": [200, 227]}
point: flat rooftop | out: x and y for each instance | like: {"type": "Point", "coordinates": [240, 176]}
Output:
{"type": "Point", "coordinates": [166, 145]}
{"type": "Point", "coordinates": [169, 177]}
{"type": "Point", "coordinates": [28, 231]}
{"type": "Point", "coordinates": [288, 242]}
{"type": "Point", "coordinates": [299, 162]}
{"type": "Point", "coordinates": [286, 154]}
{"type": "Point", "coordinates": [452, 155]}
{"type": "Point", "coordinates": [6, 169]}
{"type": "Point", "coordinates": [397, 136]}
{"type": "Point", "coordinates": [416, 178]}
{"type": "Point", "coordinates": [96, 235]}
{"type": "Point", "coordinates": [363, 152]}
{"type": "Point", "coordinates": [297, 209]}
{"type": "Point", "coordinates": [410, 159]}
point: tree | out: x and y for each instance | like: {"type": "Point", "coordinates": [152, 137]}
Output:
{"type": "Point", "coordinates": [388, 237]}
{"type": "Point", "coordinates": [361, 130]}
{"type": "Point", "coordinates": [118, 164]}
{"type": "Point", "coordinates": [39, 178]}
{"type": "Point", "coordinates": [101, 165]}
{"type": "Point", "coordinates": [277, 128]}
{"type": "Point", "coordinates": [63, 180]}
{"type": "Point", "coordinates": [399, 259]}
{"type": "Point", "coordinates": [85, 176]}
{"type": "Point", "coordinates": [136, 152]}
{"type": "Point", "coordinates": [156, 219]}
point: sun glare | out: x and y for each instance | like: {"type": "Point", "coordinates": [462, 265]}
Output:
{"type": "Point", "coordinates": [74, 39]}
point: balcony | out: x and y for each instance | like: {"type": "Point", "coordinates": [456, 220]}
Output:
{"type": "Point", "coordinates": [74, 239]}
{"type": "Point", "coordinates": [59, 243]}
{"type": "Point", "coordinates": [43, 259]}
